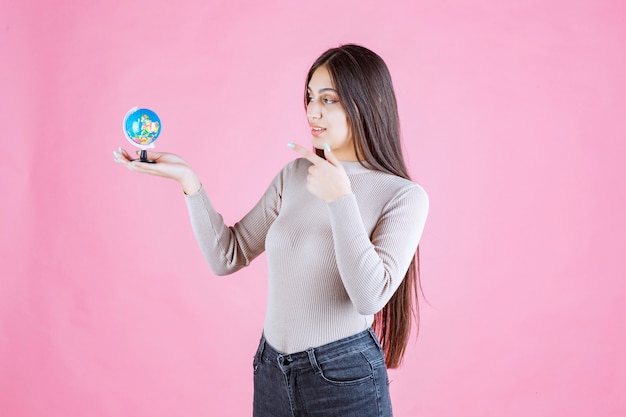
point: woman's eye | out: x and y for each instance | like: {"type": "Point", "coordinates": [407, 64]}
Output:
{"type": "Point", "coordinates": [325, 100]}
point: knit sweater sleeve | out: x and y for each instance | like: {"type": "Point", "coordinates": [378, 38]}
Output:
{"type": "Point", "coordinates": [227, 249]}
{"type": "Point", "coordinates": [372, 268]}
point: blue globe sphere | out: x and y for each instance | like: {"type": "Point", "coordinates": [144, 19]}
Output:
{"type": "Point", "coordinates": [142, 127]}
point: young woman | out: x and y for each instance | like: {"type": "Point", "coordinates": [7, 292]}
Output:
{"type": "Point", "coordinates": [340, 227]}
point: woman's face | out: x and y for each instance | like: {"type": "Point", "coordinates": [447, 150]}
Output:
{"type": "Point", "coordinates": [327, 118]}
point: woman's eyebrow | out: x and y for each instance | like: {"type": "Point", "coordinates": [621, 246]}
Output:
{"type": "Point", "coordinates": [321, 90]}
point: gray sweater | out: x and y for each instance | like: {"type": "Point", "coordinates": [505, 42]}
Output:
{"type": "Point", "coordinates": [331, 266]}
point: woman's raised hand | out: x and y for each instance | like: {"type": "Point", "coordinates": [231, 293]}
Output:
{"type": "Point", "coordinates": [167, 165]}
{"type": "Point", "coordinates": [327, 178]}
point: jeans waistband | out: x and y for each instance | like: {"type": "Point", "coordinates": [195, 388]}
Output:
{"type": "Point", "coordinates": [358, 342]}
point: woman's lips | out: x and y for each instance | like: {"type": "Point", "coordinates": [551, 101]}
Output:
{"type": "Point", "coordinates": [316, 130]}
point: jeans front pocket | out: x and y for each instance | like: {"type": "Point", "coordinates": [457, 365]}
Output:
{"type": "Point", "coordinates": [348, 369]}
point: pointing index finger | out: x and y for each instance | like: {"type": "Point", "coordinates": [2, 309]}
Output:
{"type": "Point", "coordinates": [313, 158]}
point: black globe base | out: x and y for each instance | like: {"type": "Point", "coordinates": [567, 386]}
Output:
{"type": "Point", "coordinates": [143, 157]}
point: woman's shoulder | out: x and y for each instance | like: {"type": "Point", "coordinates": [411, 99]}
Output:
{"type": "Point", "coordinates": [393, 181]}
{"type": "Point", "coordinates": [292, 170]}
{"type": "Point", "coordinates": [296, 164]}
{"type": "Point", "coordinates": [389, 187]}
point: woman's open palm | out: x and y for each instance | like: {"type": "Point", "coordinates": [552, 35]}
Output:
{"type": "Point", "coordinates": [167, 165]}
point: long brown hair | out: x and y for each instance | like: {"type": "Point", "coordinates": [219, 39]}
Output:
{"type": "Point", "coordinates": [363, 83]}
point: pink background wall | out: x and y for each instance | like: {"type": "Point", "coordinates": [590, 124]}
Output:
{"type": "Point", "coordinates": [513, 117]}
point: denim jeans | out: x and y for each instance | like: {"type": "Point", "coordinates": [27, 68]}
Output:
{"type": "Point", "coordinates": [346, 378]}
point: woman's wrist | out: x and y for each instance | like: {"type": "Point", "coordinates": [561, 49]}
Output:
{"type": "Point", "coordinates": [190, 183]}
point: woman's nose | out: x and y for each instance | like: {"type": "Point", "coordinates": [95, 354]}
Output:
{"type": "Point", "coordinates": [313, 110]}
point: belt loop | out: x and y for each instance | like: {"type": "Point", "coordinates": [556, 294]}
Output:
{"type": "Point", "coordinates": [313, 360]}
{"type": "Point", "coordinates": [261, 348]}
{"type": "Point", "coordinates": [375, 338]}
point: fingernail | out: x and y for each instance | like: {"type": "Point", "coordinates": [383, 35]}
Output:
{"type": "Point", "coordinates": [327, 147]}
{"type": "Point", "coordinates": [114, 154]}
{"type": "Point", "coordinates": [119, 149]}
{"type": "Point", "coordinates": [291, 145]}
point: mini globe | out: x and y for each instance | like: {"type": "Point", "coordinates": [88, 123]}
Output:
{"type": "Point", "coordinates": [142, 127]}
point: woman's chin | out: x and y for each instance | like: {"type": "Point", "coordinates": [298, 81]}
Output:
{"type": "Point", "coordinates": [317, 143]}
